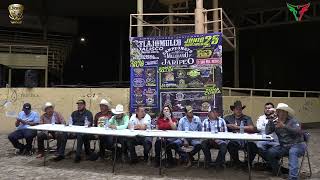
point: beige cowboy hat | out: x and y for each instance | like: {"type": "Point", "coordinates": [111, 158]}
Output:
{"type": "Point", "coordinates": [285, 107]}
{"type": "Point", "coordinates": [46, 105]}
{"type": "Point", "coordinates": [118, 109]}
{"type": "Point", "coordinates": [104, 102]}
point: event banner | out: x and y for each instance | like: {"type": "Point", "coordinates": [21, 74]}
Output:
{"type": "Point", "coordinates": [176, 71]}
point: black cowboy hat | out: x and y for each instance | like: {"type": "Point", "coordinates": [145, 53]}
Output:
{"type": "Point", "coordinates": [237, 104]}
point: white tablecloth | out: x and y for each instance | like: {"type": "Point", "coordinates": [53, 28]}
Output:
{"type": "Point", "coordinates": [152, 133]}
{"type": "Point", "coordinates": [84, 130]}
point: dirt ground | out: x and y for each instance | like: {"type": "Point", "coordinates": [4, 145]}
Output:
{"type": "Point", "coordinates": [29, 167]}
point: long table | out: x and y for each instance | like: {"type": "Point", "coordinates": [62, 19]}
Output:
{"type": "Point", "coordinates": [153, 133]}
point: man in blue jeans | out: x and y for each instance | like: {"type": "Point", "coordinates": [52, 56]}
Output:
{"type": "Point", "coordinates": [25, 119]}
{"type": "Point", "coordinates": [79, 118]}
{"type": "Point", "coordinates": [189, 122]}
{"type": "Point", "coordinates": [291, 140]}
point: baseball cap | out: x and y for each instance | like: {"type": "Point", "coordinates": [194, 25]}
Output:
{"type": "Point", "coordinates": [188, 109]}
{"type": "Point", "coordinates": [26, 106]}
{"type": "Point", "coordinates": [81, 101]}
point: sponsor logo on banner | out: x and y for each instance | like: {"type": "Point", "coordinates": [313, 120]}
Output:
{"type": "Point", "coordinates": [138, 82]}
{"type": "Point", "coordinates": [211, 61]}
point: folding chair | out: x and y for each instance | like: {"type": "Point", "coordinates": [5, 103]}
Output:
{"type": "Point", "coordinates": [306, 138]}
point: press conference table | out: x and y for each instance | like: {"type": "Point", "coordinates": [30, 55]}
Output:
{"type": "Point", "coordinates": [153, 133]}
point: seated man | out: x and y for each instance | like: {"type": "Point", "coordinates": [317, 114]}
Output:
{"type": "Point", "coordinates": [100, 119]}
{"type": "Point", "coordinates": [139, 121]}
{"type": "Point", "coordinates": [189, 122]}
{"type": "Point", "coordinates": [233, 123]}
{"type": "Point", "coordinates": [214, 121]}
{"type": "Point", "coordinates": [118, 122]}
{"type": "Point", "coordinates": [25, 119]}
{"type": "Point", "coordinates": [50, 116]}
{"type": "Point", "coordinates": [269, 115]}
{"type": "Point", "coordinates": [78, 118]}
{"type": "Point", "coordinates": [291, 140]}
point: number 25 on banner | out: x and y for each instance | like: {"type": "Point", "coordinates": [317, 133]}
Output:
{"type": "Point", "coordinates": [214, 39]}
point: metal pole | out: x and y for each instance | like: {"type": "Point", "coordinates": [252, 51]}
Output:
{"type": "Point", "coordinates": [140, 18]}
{"type": "Point", "coordinates": [10, 77]}
{"type": "Point", "coordinates": [236, 60]}
{"type": "Point", "coordinates": [171, 30]}
{"type": "Point", "coordinates": [199, 17]}
{"type": "Point", "coordinates": [215, 15]}
{"type": "Point", "coordinates": [121, 58]}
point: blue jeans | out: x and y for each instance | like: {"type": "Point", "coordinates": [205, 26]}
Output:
{"type": "Point", "coordinates": [177, 144]}
{"type": "Point", "coordinates": [263, 146]}
{"type": "Point", "coordinates": [294, 152]}
{"type": "Point", "coordinates": [27, 134]}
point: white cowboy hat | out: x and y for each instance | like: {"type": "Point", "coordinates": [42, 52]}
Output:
{"type": "Point", "coordinates": [46, 105]}
{"type": "Point", "coordinates": [118, 109]}
{"type": "Point", "coordinates": [104, 102]}
{"type": "Point", "coordinates": [285, 107]}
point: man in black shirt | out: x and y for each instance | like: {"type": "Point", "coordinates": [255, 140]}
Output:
{"type": "Point", "coordinates": [80, 117]}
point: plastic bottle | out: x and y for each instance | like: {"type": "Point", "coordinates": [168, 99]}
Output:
{"type": "Point", "coordinates": [86, 122]}
{"type": "Point", "coordinates": [263, 130]}
{"type": "Point", "coordinates": [53, 120]}
{"type": "Point", "coordinates": [241, 127]}
{"type": "Point", "coordinates": [106, 124]}
{"type": "Point", "coordinates": [70, 121]}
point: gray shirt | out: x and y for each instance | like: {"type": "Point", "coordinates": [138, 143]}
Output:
{"type": "Point", "coordinates": [231, 119]}
{"type": "Point", "coordinates": [289, 135]}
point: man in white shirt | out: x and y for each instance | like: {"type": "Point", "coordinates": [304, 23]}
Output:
{"type": "Point", "coordinates": [139, 121]}
{"type": "Point", "coordinates": [269, 114]}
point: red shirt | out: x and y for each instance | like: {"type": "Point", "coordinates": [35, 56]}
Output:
{"type": "Point", "coordinates": [163, 124]}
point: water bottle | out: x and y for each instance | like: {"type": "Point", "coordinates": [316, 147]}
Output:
{"type": "Point", "coordinates": [263, 130]}
{"type": "Point", "coordinates": [86, 122]}
{"type": "Point", "coordinates": [241, 127]}
{"type": "Point", "coordinates": [70, 121]}
{"type": "Point", "coordinates": [213, 128]}
{"type": "Point", "coordinates": [148, 127]}
{"type": "Point", "coordinates": [106, 124]}
{"type": "Point", "coordinates": [53, 120]}
{"type": "Point", "coordinates": [131, 125]}
{"type": "Point", "coordinates": [186, 129]}
{"type": "Point", "coordinates": [203, 129]}
{"type": "Point", "coordinates": [222, 127]}
{"type": "Point", "coordinates": [216, 130]}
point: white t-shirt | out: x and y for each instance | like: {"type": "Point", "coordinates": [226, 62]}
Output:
{"type": "Point", "coordinates": [146, 120]}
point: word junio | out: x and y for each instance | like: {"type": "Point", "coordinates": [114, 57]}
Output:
{"type": "Point", "coordinates": [295, 8]}
{"type": "Point", "coordinates": [137, 63]}
{"type": "Point", "coordinates": [206, 41]}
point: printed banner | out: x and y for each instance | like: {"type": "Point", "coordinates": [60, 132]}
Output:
{"type": "Point", "coordinates": [176, 71]}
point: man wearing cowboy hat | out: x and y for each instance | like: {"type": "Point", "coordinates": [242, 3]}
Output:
{"type": "Point", "coordinates": [78, 118]}
{"type": "Point", "coordinates": [50, 116]}
{"type": "Point", "coordinates": [288, 130]}
{"type": "Point", "coordinates": [100, 119]}
{"type": "Point", "coordinates": [233, 123]}
{"type": "Point", "coordinates": [140, 121]}
{"type": "Point", "coordinates": [119, 121]}
{"type": "Point", "coordinates": [25, 119]}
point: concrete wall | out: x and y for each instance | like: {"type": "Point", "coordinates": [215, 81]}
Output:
{"type": "Point", "coordinates": [12, 99]}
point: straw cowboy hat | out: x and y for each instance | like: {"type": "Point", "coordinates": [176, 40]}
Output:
{"type": "Point", "coordinates": [104, 102]}
{"type": "Point", "coordinates": [118, 109]}
{"type": "Point", "coordinates": [237, 104]}
{"type": "Point", "coordinates": [285, 107]}
{"type": "Point", "coordinates": [46, 105]}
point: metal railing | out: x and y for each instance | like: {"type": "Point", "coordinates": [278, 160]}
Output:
{"type": "Point", "coordinates": [269, 92]}
{"type": "Point", "coordinates": [225, 25]}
